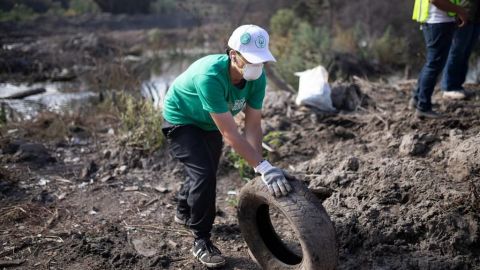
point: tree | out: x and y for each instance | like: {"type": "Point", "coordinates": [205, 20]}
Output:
{"type": "Point", "coordinates": [125, 6]}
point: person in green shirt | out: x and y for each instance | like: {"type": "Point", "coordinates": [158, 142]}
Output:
{"type": "Point", "coordinates": [198, 115]}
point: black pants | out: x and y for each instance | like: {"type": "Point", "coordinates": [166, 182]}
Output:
{"type": "Point", "coordinates": [199, 151]}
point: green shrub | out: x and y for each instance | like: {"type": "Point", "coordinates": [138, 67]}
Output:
{"type": "Point", "coordinates": [139, 123]}
{"type": "Point", "coordinates": [282, 22]}
{"type": "Point", "coordinates": [297, 45]}
{"type": "Point", "coordinates": [233, 201]}
{"type": "Point", "coordinates": [163, 6]}
{"type": "Point", "coordinates": [82, 6]}
{"type": "Point", "coordinates": [19, 12]}
{"type": "Point", "coordinates": [274, 139]}
{"type": "Point", "coordinates": [142, 123]}
{"type": "Point", "coordinates": [390, 50]}
{"type": "Point", "coordinates": [243, 168]}
{"type": "Point", "coordinates": [346, 40]}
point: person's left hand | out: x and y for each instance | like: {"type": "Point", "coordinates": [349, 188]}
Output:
{"type": "Point", "coordinates": [276, 182]}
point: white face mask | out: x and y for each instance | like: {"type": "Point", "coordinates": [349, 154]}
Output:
{"type": "Point", "coordinates": [252, 72]}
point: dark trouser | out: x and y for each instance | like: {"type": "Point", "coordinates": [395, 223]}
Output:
{"type": "Point", "coordinates": [199, 151]}
{"type": "Point", "coordinates": [464, 39]}
{"type": "Point", "coordinates": [438, 38]}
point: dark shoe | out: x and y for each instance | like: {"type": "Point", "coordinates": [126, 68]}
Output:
{"type": "Point", "coordinates": [207, 253]}
{"type": "Point", "coordinates": [431, 114]}
{"type": "Point", "coordinates": [412, 104]}
{"type": "Point", "coordinates": [181, 219]}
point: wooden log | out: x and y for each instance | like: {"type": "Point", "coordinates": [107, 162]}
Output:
{"type": "Point", "coordinates": [12, 263]}
{"type": "Point", "coordinates": [26, 93]}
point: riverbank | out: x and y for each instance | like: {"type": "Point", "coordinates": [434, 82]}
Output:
{"type": "Point", "coordinates": [75, 193]}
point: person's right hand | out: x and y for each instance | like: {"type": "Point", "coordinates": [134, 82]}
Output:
{"type": "Point", "coordinates": [276, 182]}
{"type": "Point", "coordinates": [463, 17]}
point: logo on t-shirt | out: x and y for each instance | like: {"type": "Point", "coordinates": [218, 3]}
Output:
{"type": "Point", "coordinates": [238, 105]}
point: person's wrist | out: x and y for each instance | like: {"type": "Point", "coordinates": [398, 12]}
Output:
{"type": "Point", "coordinates": [263, 167]}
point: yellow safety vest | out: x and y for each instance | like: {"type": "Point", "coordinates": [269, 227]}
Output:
{"type": "Point", "coordinates": [421, 8]}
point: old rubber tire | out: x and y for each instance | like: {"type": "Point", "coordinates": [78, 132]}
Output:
{"type": "Point", "coordinates": [305, 214]}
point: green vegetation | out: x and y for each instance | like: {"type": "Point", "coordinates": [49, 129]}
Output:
{"type": "Point", "coordinates": [141, 123]}
{"type": "Point", "coordinates": [274, 139]}
{"type": "Point", "coordinates": [163, 6]}
{"type": "Point", "coordinates": [243, 168]}
{"type": "Point", "coordinates": [296, 44]}
{"type": "Point", "coordinates": [82, 6]}
{"type": "Point", "coordinates": [232, 201]}
{"type": "Point", "coordinates": [390, 49]}
{"type": "Point", "coordinates": [18, 13]}
{"type": "Point", "coordinates": [299, 45]}
{"type": "Point", "coordinates": [24, 10]}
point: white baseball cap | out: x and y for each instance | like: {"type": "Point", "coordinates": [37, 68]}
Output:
{"type": "Point", "coordinates": [252, 42]}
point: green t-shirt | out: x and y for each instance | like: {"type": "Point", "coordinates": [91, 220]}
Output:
{"type": "Point", "coordinates": [205, 88]}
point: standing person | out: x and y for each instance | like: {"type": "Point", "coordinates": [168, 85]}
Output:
{"type": "Point", "coordinates": [198, 112]}
{"type": "Point", "coordinates": [464, 40]}
{"type": "Point", "coordinates": [437, 18]}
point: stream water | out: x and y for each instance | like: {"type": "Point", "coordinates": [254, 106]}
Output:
{"type": "Point", "coordinates": [62, 97]}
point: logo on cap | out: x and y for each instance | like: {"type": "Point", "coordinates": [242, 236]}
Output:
{"type": "Point", "coordinates": [245, 38]}
{"type": "Point", "coordinates": [260, 42]}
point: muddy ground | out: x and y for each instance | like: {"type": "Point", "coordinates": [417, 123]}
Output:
{"type": "Point", "coordinates": [403, 193]}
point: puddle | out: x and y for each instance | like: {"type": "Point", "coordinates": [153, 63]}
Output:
{"type": "Point", "coordinates": [163, 72]}
{"type": "Point", "coordinates": [159, 71]}
{"type": "Point", "coordinates": [52, 99]}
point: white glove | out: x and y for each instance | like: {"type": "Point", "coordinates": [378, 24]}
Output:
{"type": "Point", "coordinates": [274, 178]}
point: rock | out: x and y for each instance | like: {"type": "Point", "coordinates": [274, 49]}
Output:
{"type": "Point", "coordinates": [173, 244]}
{"type": "Point", "coordinates": [455, 134]}
{"type": "Point", "coordinates": [43, 182]}
{"type": "Point", "coordinates": [12, 147]}
{"type": "Point", "coordinates": [163, 261]}
{"type": "Point", "coordinates": [142, 249]}
{"type": "Point", "coordinates": [350, 164]}
{"type": "Point", "coordinates": [162, 189]}
{"type": "Point", "coordinates": [343, 133]}
{"type": "Point", "coordinates": [464, 162]}
{"type": "Point", "coordinates": [412, 145]}
{"type": "Point", "coordinates": [132, 188]}
{"type": "Point", "coordinates": [34, 153]}
{"type": "Point", "coordinates": [11, 263]}
{"type": "Point", "coordinates": [106, 178]}
{"type": "Point", "coordinates": [107, 154]}
{"type": "Point", "coordinates": [44, 197]}
{"type": "Point", "coordinates": [144, 163]}
{"type": "Point", "coordinates": [322, 193]}
{"type": "Point", "coordinates": [88, 170]}
{"type": "Point", "coordinates": [347, 97]}
{"type": "Point", "coordinates": [121, 170]}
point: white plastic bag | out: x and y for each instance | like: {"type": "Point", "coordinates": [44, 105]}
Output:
{"type": "Point", "coordinates": [314, 90]}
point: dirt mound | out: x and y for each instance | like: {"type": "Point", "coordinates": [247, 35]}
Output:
{"type": "Point", "coordinates": [464, 161]}
{"type": "Point", "coordinates": [402, 193]}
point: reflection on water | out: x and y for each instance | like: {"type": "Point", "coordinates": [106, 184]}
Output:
{"type": "Point", "coordinates": [157, 70]}
{"type": "Point", "coordinates": [17, 110]}
{"type": "Point", "coordinates": [163, 71]}
{"type": "Point", "coordinates": [52, 99]}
